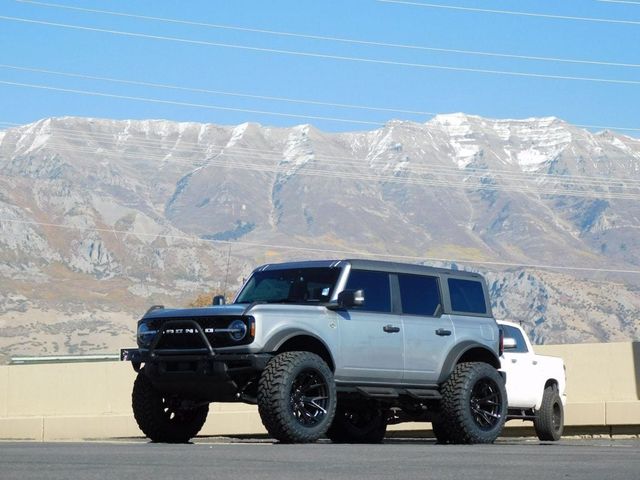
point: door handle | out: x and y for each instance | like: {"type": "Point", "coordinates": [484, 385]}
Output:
{"type": "Point", "coordinates": [443, 332]}
{"type": "Point", "coordinates": [391, 329]}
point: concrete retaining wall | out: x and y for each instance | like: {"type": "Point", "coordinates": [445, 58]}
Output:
{"type": "Point", "coordinates": [93, 400]}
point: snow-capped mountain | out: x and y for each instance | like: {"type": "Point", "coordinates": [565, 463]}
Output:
{"type": "Point", "coordinates": [101, 218]}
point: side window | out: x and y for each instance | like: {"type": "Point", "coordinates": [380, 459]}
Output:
{"type": "Point", "coordinates": [466, 296]}
{"type": "Point", "coordinates": [516, 334]}
{"type": "Point", "coordinates": [377, 292]}
{"type": "Point", "coordinates": [420, 294]}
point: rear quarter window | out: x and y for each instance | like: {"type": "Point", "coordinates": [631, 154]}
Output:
{"type": "Point", "coordinates": [420, 295]}
{"type": "Point", "coordinates": [467, 296]}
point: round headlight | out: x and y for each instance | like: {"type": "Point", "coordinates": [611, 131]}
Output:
{"type": "Point", "coordinates": [238, 330]}
{"type": "Point", "coordinates": [145, 334]}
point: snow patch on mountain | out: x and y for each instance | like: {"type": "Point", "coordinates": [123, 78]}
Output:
{"type": "Point", "coordinates": [531, 159]}
{"type": "Point", "coordinates": [458, 127]}
{"type": "Point", "coordinates": [236, 134]}
{"type": "Point", "coordinates": [298, 150]}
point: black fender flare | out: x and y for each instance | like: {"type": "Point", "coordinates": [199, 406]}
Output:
{"type": "Point", "coordinates": [456, 353]}
{"type": "Point", "coordinates": [278, 340]}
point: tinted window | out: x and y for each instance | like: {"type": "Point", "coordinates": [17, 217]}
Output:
{"type": "Point", "coordinates": [516, 334]}
{"type": "Point", "coordinates": [377, 293]}
{"type": "Point", "coordinates": [292, 285]}
{"type": "Point", "coordinates": [466, 296]}
{"type": "Point", "coordinates": [420, 295]}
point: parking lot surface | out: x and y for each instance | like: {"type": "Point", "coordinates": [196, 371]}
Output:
{"type": "Point", "coordinates": [228, 458]}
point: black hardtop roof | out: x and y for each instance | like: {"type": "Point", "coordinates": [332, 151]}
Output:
{"type": "Point", "coordinates": [364, 264]}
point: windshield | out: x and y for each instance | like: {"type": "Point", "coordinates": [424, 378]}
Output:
{"type": "Point", "coordinates": [294, 286]}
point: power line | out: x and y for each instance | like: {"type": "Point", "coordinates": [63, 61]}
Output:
{"type": "Point", "coordinates": [262, 97]}
{"type": "Point", "coordinates": [629, 2]}
{"type": "Point", "coordinates": [511, 12]}
{"type": "Point", "coordinates": [187, 104]}
{"type": "Point", "coordinates": [603, 127]}
{"type": "Point", "coordinates": [382, 177]}
{"type": "Point", "coordinates": [264, 154]}
{"type": "Point", "coordinates": [328, 56]}
{"type": "Point", "coordinates": [318, 250]}
{"type": "Point", "coordinates": [333, 38]}
{"type": "Point", "coordinates": [214, 92]}
{"type": "Point", "coordinates": [430, 169]}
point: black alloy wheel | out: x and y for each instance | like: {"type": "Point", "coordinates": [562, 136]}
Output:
{"type": "Point", "coordinates": [485, 403]}
{"type": "Point", "coordinates": [309, 398]}
{"type": "Point", "coordinates": [557, 420]}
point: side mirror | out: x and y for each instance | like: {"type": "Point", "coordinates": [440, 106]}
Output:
{"type": "Point", "coordinates": [218, 300]}
{"type": "Point", "coordinates": [510, 343]}
{"type": "Point", "coordinates": [351, 298]}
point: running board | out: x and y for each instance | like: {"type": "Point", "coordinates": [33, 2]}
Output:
{"type": "Point", "coordinates": [389, 392]}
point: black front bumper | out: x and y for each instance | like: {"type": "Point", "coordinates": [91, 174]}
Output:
{"type": "Point", "coordinates": [197, 374]}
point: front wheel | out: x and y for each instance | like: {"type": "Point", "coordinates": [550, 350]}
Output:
{"type": "Point", "coordinates": [363, 422]}
{"type": "Point", "coordinates": [296, 397]}
{"type": "Point", "coordinates": [474, 404]}
{"type": "Point", "coordinates": [165, 419]}
{"type": "Point", "coordinates": [549, 420]}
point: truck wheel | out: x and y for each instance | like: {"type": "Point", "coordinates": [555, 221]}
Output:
{"type": "Point", "coordinates": [164, 419]}
{"type": "Point", "coordinates": [474, 404]}
{"type": "Point", "coordinates": [549, 420]}
{"type": "Point", "coordinates": [358, 423]}
{"type": "Point", "coordinates": [440, 432]}
{"type": "Point", "coordinates": [296, 397]}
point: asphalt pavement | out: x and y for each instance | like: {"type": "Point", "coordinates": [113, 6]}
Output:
{"type": "Point", "coordinates": [225, 458]}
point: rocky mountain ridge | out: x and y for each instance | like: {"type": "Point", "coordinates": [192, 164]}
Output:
{"type": "Point", "coordinates": [101, 218]}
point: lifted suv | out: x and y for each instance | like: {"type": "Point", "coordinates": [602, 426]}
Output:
{"type": "Point", "coordinates": [328, 348]}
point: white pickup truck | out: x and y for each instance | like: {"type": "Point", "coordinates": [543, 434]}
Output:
{"type": "Point", "coordinates": [535, 384]}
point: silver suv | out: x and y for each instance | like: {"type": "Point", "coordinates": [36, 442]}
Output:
{"type": "Point", "coordinates": [337, 348]}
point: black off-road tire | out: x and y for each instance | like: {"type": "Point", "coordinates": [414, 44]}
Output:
{"type": "Point", "coordinates": [165, 419]}
{"type": "Point", "coordinates": [358, 422]}
{"type": "Point", "coordinates": [549, 420]}
{"type": "Point", "coordinates": [297, 397]}
{"type": "Point", "coordinates": [440, 432]}
{"type": "Point", "coordinates": [474, 404]}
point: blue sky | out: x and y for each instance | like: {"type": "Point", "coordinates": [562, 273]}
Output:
{"type": "Point", "coordinates": [330, 80]}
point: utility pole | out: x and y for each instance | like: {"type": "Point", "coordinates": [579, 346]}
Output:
{"type": "Point", "coordinates": [226, 275]}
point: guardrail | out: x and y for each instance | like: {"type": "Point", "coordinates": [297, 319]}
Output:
{"type": "Point", "coordinates": [68, 398]}
{"type": "Point", "coordinates": [107, 357]}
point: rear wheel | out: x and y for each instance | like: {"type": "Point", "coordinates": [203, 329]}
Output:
{"type": "Point", "coordinates": [549, 420]}
{"type": "Point", "coordinates": [296, 397]}
{"type": "Point", "coordinates": [474, 404]}
{"type": "Point", "coordinates": [165, 419]}
{"type": "Point", "coordinates": [363, 422]}
{"type": "Point", "coordinates": [440, 432]}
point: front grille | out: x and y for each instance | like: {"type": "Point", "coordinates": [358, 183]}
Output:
{"type": "Point", "coordinates": [181, 334]}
